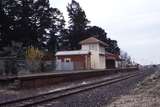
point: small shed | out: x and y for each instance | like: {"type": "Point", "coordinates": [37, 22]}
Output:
{"type": "Point", "coordinates": [73, 60]}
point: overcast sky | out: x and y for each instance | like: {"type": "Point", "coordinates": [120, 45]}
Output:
{"type": "Point", "coordinates": [135, 24]}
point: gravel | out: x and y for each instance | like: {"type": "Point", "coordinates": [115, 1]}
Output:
{"type": "Point", "coordinates": [146, 94]}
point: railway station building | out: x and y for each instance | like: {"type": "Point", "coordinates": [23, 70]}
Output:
{"type": "Point", "coordinates": [92, 55]}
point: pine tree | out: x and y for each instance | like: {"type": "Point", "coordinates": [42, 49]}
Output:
{"type": "Point", "coordinates": [112, 46]}
{"type": "Point", "coordinates": [97, 32]}
{"type": "Point", "coordinates": [19, 15]}
{"type": "Point", "coordinates": [77, 24]}
{"type": "Point", "coordinates": [30, 22]}
{"type": "Point", "coordinates": [56, 31]}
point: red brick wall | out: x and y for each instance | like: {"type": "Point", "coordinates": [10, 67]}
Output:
{"type": "Point", "coordinates": [75, 58]}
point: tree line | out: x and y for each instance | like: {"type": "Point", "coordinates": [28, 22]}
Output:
{"type": "Point", "coordinates": [35, 23]}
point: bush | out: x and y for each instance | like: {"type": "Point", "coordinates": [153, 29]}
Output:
{"type": "Point", "coordinates": [33, 57]}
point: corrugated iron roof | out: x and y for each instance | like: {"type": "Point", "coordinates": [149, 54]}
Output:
{"type": "Point", "coordinates": [77, 52]}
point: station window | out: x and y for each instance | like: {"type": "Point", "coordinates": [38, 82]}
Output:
{"type": "Point", "coordinates": [92, 47]}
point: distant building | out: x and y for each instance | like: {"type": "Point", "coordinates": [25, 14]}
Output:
{"type": "Point", "coordinates": [91, 56]}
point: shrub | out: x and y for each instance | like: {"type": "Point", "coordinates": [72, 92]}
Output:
{"type": "Point", "coordinates": [33, 57]}
{"type": "Point", "coordinates": [33, 53]}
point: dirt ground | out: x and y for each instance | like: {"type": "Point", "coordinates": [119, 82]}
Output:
{"type": "Point", "coordinates": [147, 94]}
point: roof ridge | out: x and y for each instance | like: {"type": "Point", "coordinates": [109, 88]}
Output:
{"type": "Point", "coordinates": [92, 40]}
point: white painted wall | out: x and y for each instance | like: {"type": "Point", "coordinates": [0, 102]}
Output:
{"type": "Point", "coordinates": [102, 62]}
{"type": "Point", "coordinates": [101, 49]}
{"type": "Point", "coordinates": [117, 64]}
{"type": "Point", "coordinates": [85, 47]}
{"type": "Point", "coordinates": [97, 60]}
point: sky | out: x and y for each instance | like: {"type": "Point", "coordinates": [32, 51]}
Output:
{"type": "Point", "coordinates": [135, 24]}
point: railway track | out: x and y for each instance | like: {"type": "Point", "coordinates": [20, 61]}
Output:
{"type": "Point", "coordinates": [54, 94]}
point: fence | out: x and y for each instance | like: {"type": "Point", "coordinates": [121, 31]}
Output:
{"type": "Point", "coordinates": [10, 66]}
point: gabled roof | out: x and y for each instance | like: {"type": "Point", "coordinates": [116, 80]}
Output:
{"type": "Point", "coordinates": [92, 40]}
{"type": "Point", "coordinates": [77, 52]}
